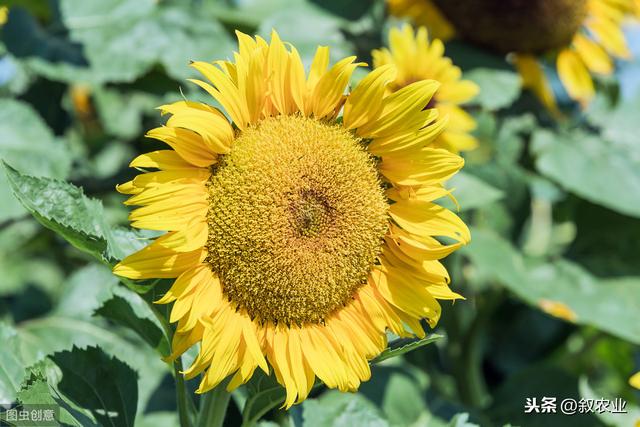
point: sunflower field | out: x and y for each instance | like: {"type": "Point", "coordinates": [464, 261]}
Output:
{"type": "Point", "coordinates": [320, 213]}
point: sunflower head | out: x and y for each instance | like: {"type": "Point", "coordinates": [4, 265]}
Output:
{"type": "Point", "coordinates": [418, 58]}
{"type": "Point", "coordinates": [301, 225]}
{"type": "Point", "coordinates": [529, 26]}
{"type": "Point", "coordinates": [296, 219]}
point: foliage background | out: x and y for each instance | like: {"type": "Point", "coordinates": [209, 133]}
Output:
{"type": "Point", "coordinates": [552, 277]}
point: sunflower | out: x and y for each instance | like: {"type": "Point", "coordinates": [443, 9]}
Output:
{"type": "Point", "coordinates": [582, 37]}
{"type": "Point", "coordinates": [300, 225]}
{"type": "Point", "coordinates": [418, 59]}
{"type": "Point", "coordinates": [4, 14]}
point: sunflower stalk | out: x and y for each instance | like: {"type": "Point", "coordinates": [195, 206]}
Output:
{"type": "Point", "coordinates": [186, 407]}
{"type": "Point", "coordinates": [213, 406]}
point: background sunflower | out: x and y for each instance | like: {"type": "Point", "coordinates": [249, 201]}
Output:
{"type": "Point", "coordinates": [580, 37]}
{"type": "Point", "coordinates": [550, 278]}
{"type": "Point", "coordinates": [418, 58]}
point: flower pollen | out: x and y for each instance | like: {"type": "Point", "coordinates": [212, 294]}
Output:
{"type": "Point", "coordinates": [296, 219]}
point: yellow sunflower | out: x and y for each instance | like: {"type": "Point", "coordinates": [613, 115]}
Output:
{"type": "Point", "coordinates": [304, 229]}
{"type": "Point", "coordinates": [418, 59]}
{"type": "Point", "coordinates": [4, 14]}
{"type": "Point", "coordinates": [582, 37]}
{"type": "Point", "coordinates": [634, 381]}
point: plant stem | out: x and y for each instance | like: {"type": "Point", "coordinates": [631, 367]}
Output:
{"type": "Point", "coordinates": [186, 408]}
{"type": "Point", "coordinates": [185, 404]}
{"type": "Point", "coordinates": [213, 406]}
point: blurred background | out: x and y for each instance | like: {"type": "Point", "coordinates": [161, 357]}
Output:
{"type": "Point", "coordinates": [551, 279]}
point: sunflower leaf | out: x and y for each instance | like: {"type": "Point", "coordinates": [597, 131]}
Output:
{"type": "Point", "coordinates": [39, 389]}
{"type": "Point", "coordinates": [128, 309]}
{"type": "Point", "coordinates": [603, 172]}
{"type": "Point", "coordinates": [402, 346]}
{"type": "Point", "coordinates": [471, 192]}
{"type": "Point", "coordinates": [62, 208]}
{"type": "Point", "coordinates": [109, 31]}
{"type": "Point", "coordinates": [12, 370]}
{"type": "Point", "coordinates": [335, 409]}
{"type": "Point", "coordinates": [261, 403]}
{"type": "Point", "coordinates": [264, 394]}
{"type": "Point", "coordinates": [28, 144]}
{"type": "Point", "coordinates": [498, 88]}
{"type": "Point", "coordinates": [561, 288]}
{"type": "Point", "coordinates": [104, 385]}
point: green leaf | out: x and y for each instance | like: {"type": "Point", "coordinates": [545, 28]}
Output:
{"type": "Point", "coordinates": [23, 265]}
{"type": "Point", "coordinates": [470, 192]}
{"type": "Point", "coordinates": [40, 389]}
{"type": "Point", "coordinates": [12, 370]}
{"type": "Point", "coordinates": [591, 167]}
{"type": "Point", "coordinates": [618, 123]}
{"type": "Point", "coordinates": [36, 391]}
{"type": "Point", "coordinates": [606, 304]}
{"type": "Point", "coordinates": [336, 409]}
{"type": "Point", "coordinates": [402, 346]}
{"type": "Point", "coordinates": [130, 310]}
{"type": "Point", "coordinates": [498, 88]}
{"type": "Point", "coordinates": [38, 338]}
{"type": "Point", "coordinates": [85, 291]}
{"type": "Point", "coordinates": [158, 419]}
{"type": "Point", "coordinates": [124, 39]}
{"type": "Point", "coordinates": [27, 143]}
{"type": "Point", "coordinates": [322, 30]}
{"type": "Point", "coordinates": [246, 15]}
{"type": "Point", "coordinates": [265, 394]}
{"type": "Point", "coordinates": [62, 208]}
{"type": "Point", "coordinates": [403, 400]}
{"type": "Point", "coordinates": [104, 385]}
{"type": "Point", "coordinates": [121, 113]}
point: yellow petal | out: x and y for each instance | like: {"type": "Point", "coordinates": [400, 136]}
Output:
{"type": "Point", "coordinates": [558, 309]}
{"type": "Point", "coordinates": [185, 283]}
{"type": "Point", "coordinates": [427, 167]}
{"type": "Point", "coordinates": [610, 35]}
{"type": "Point", "coordinates": [318, 67]}
{"type": "Point", "coordinates": [428, 219]}
{"type": "Point", "coordinates": [189, 145]}
{"type": "Point", "coordinates": [594, 57]}
{"type": "Point", "coordinates": [458, 92]}
{"type": "Point", "coordinates": [212, 126]}
{"type": "Point", "coordinates": [400, 292]}
{"type": "Point", "coordinates": [155, 261]}
{"type": "Point", "coordinates": [403, 109]}
{"type": "Point", "coordinates": [329, 90]}
{"type": "Point", "coordinates": [250, 338]}
{"type": "Point", "coordinates": [161, 159]}
{"type": "Point", "coordinates": [534, 79]}
{"type": "Point", "coordinates": [192, 237]}
{"type": "Point", "coordinates": [575, 76]}
{"type": "Point", "coordinates": [224, 90]}
{"type": "Point", "coordinates": [364, 104]}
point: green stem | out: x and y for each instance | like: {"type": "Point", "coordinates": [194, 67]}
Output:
{"type": "Point", "coordinates": [186, 408]}
{"type": "Point", "coordinates": [185, 404]}
{"type": "Point", "coordinates": [213, 406]}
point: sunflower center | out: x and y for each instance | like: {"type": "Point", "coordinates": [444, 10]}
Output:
{"type": "Point", "coordinates": [531, 26]}
{"type": "Point", "coordinates": [296, 219]}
